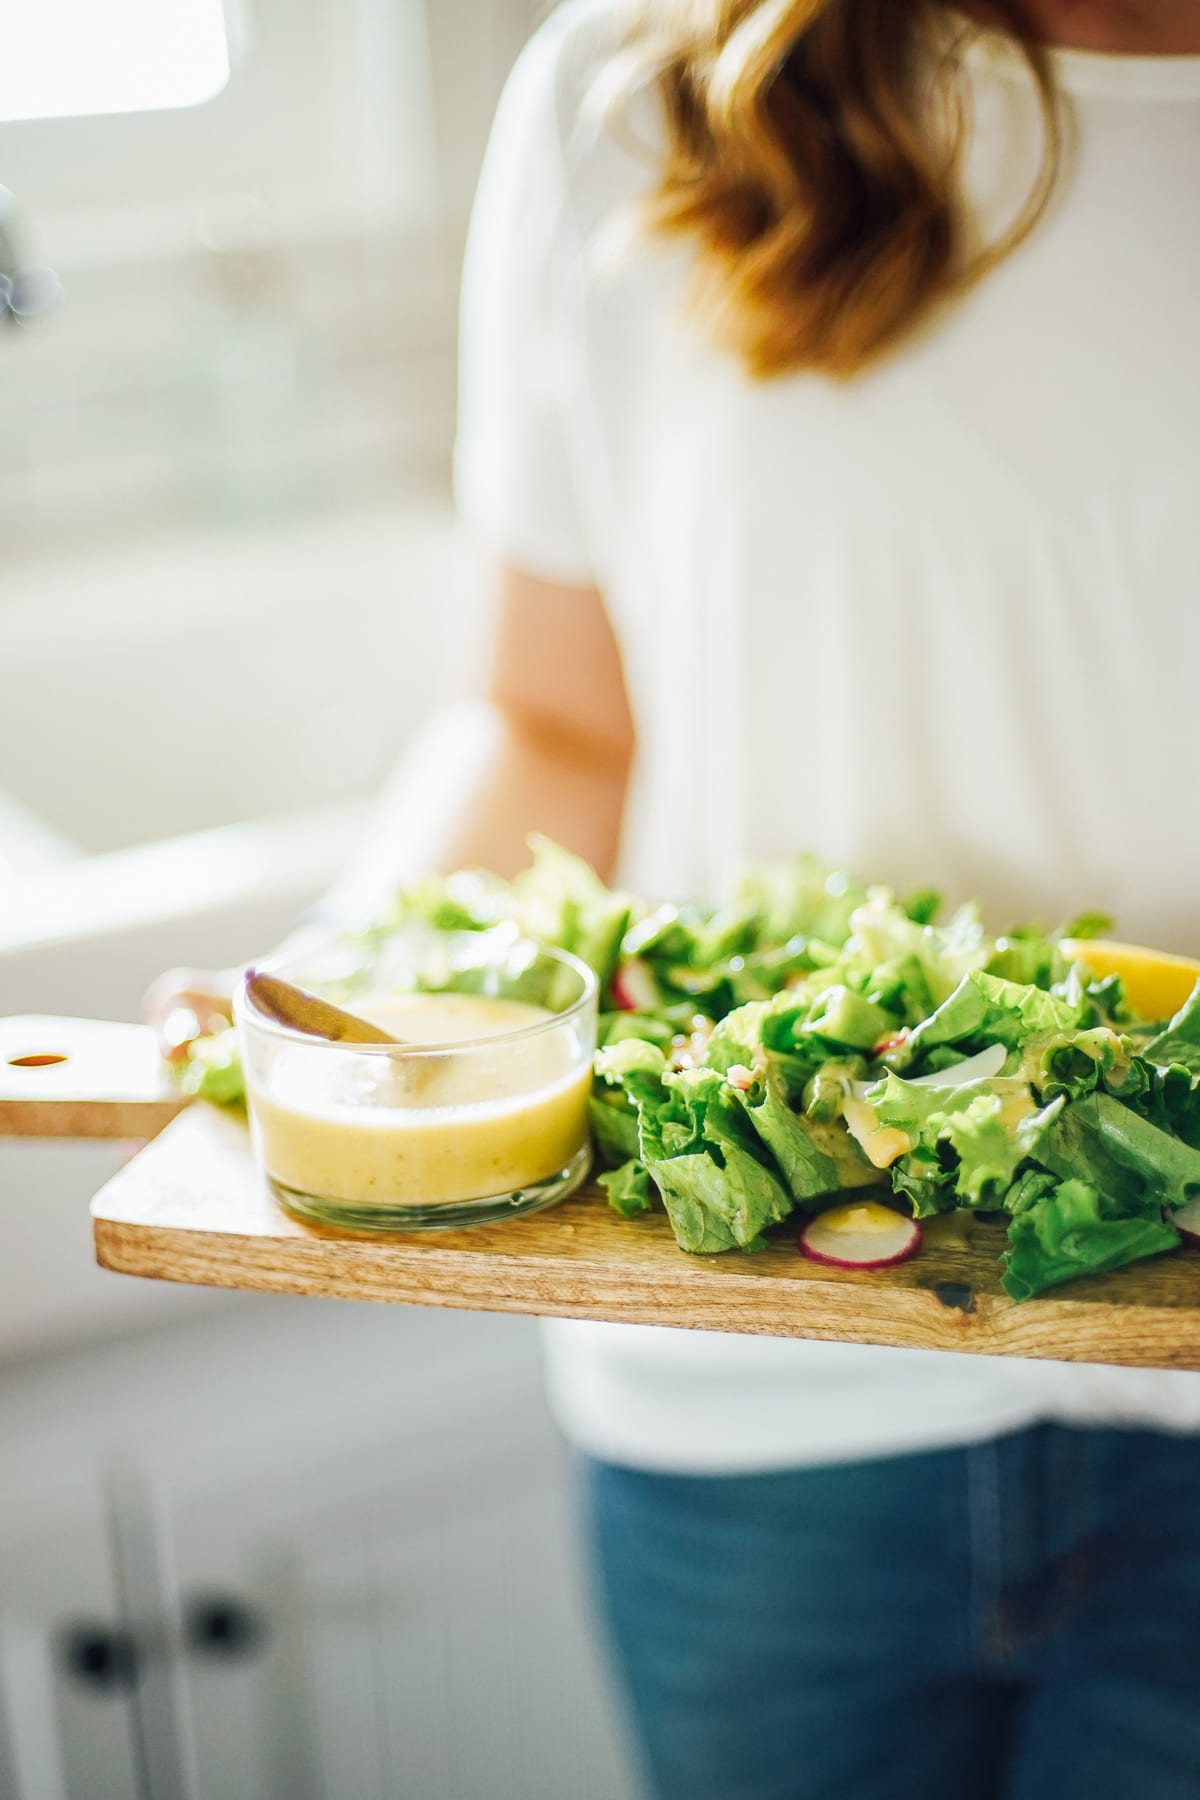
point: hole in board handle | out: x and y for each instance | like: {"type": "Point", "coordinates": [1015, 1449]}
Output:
{"type": "Point", "coordinates": [41, 1061]}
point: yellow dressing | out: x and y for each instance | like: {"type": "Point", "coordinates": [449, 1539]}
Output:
{"type": "Point", "coordinates": [866, 1216]}
{"type": "Point", "coordinates": [882, 1145]}
{"type": "Point", "coordinates": [498, 1114]}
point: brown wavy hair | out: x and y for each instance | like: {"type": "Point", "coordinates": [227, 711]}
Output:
{"type": "Point", "coordinates": [813, 151]}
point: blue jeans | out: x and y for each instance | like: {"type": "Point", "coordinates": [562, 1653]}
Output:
{"type": "Point", "coordinates": [1019, 1619]}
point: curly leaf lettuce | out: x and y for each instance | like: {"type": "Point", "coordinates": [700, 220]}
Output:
{"type": "Point", "coordinates": [883, 933]}
{"type": "Point", "coordinates": [628, 1188]}
{"type": "Point", "coordinates": [814, 1160]}
{"type": "Point", "coordinates": [1137, 1166]}
{"type": "Point", "coordinates": [987, 1007]}
{"type": "Point", "coordinates": [1178, 1047]}
{"type": "Point", "coordinates": [1066, 1230]}
{"type": "Point", "coordinates": [989, 1128]}
{"type": "Point", "coordinates": [719, 1184]}
{"type": "Point", "coordinates": [753, 1051]}
{"type": "Point", "coordinates": [213, 1070]}
{"type": "Point", "coordinates": [614, 1125]}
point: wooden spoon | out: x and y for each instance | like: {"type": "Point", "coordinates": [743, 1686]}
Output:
{"type": "Point", "coordinates": [302, 1011]}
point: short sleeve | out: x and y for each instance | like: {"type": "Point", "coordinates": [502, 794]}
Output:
{"type": "Point", "coordinates": [515, 475]}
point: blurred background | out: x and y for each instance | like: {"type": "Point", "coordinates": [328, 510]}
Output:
{"type": "Point", "coordinates": [275, 1549]}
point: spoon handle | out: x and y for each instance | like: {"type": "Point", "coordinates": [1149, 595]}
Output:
{"type": "Point", "coordinates": [302, 1011]}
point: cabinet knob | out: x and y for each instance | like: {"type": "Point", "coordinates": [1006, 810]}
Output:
{"type": "Point", "coordinates": [101, 1657]}
{"type": "Point", "coordinates": [223, 1627]}
{"type": "Point", "coordinates": [26, 293]}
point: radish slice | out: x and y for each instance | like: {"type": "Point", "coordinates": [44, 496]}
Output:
{"type": "Point", "coordinates": [982, 1067]}
{"type": "Point", "coordinates": [634, 988]}
{"type": "Point", "coordinates": [863, 1236]}
{"type": "Point", "coordinates": [1187, 1222]}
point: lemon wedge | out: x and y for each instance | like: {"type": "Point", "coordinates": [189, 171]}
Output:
{"type": "Point", "coordinates": [1156, 983]}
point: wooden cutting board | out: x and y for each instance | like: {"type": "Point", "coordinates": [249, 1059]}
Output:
{"type": "Point", "coordinates": [82, 1078]}
{"type": "Point", "coordinates": [192, 1207]}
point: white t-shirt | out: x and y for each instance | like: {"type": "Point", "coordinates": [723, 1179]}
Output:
{"type": "Point", "coordinates": [941, 623]}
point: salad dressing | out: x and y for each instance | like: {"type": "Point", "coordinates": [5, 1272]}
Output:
{"type": "Point", "coordinates": [438, 1126]}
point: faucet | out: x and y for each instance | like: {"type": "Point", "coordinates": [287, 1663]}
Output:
{"type": "Point", "coordinates": [26, 291]}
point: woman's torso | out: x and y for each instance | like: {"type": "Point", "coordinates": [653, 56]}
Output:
{"type": "Point", "coordinates": [940, 623]}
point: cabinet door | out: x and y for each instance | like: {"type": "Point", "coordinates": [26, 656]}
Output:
{"type": "Point", "coordinates": [451, 1636]}
{"type": "Point", "coordinates": [68, 1729]}
{"type": "Point", "coordinates": [412, 1632]}
{"type": "Point", "coordinates": [342, 1539]}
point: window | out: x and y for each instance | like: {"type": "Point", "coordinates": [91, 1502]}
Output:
{"type": "Point", "coordinates": [257, 287]}
{"type": "Point", "coordinates": [71, 58]}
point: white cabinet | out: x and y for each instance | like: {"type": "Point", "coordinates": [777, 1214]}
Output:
{"type": "Point", "coordinates": [341, 1537]}
{"type": "Point", "coordinates": [67, 1724]}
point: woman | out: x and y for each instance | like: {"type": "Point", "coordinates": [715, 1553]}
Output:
{"type": "Point", "coordinates": [830, 400]}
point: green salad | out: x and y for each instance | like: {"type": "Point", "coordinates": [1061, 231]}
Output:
{"type": "Point", "coordinates": [816, 1035]}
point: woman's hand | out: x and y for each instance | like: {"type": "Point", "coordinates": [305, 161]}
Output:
{"type": "Point", "coordinates": [186, 1004]}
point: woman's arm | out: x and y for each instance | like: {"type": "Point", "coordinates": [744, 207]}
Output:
{"type": "Point", "coordinates": [544, 743]}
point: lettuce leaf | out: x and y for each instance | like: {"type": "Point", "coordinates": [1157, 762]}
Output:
{"type": "Point", "coordinates": [1134, 1164]}
{"type": "Point", "coordinates": [1179, 1045]}
{"type": "Point", "coordinates": [707, 1201]}
{"type": "Point", "coordinates": [848, 1019]}
{"type": "Point", "coordinates": [779, 1031]}
{"type": "Point", "coordinates": [558, 899]}
{"type": "Point", "coordinates": [637, 1068]}
{"type": "Point", "coordinates": [985, 1006]}
{"type": "Point", "coordinates": [719, 1184]}
{"type": "Point", "coordinates": [467, 900]}
{"type": "Point", "coordinates": [737, 1039]}
{"type": "Point", "coordinates": [882, 932]}
{"type": "Point", "coordinates": [991, 1127]}
{"type": "Point", "coordinates": [721, 1131]}
{"type": "Point", "coordinates": [991, 1147]}
{"type": "Point", "coordinates": [922, 1179]}
{"type": "Point", "coordinates": [614, 1124]}
{"type": "Point", "coordinates": [814, 1160]}
{"type": "Point", "coordinates": [800, 897]}
{"type": "Point", "coordinates": [213, 1069]}
{"type": "Point", "coordinates": [1066, 1231]}
{"type": "Point", "coordinates": [628, 1188]}
{"type": "Point", "coordinates": [562, 901]}
{"type": "Point", "coordinates": [1029, 958]}
{"type": "Point", "coordinates": [660, 1029]}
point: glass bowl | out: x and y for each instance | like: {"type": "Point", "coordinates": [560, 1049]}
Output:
{"type": "Point", "coordinates": [479, 1115]}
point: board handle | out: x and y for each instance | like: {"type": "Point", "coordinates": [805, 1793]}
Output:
{"type": "Point", "coordinates": [82, 1078]}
